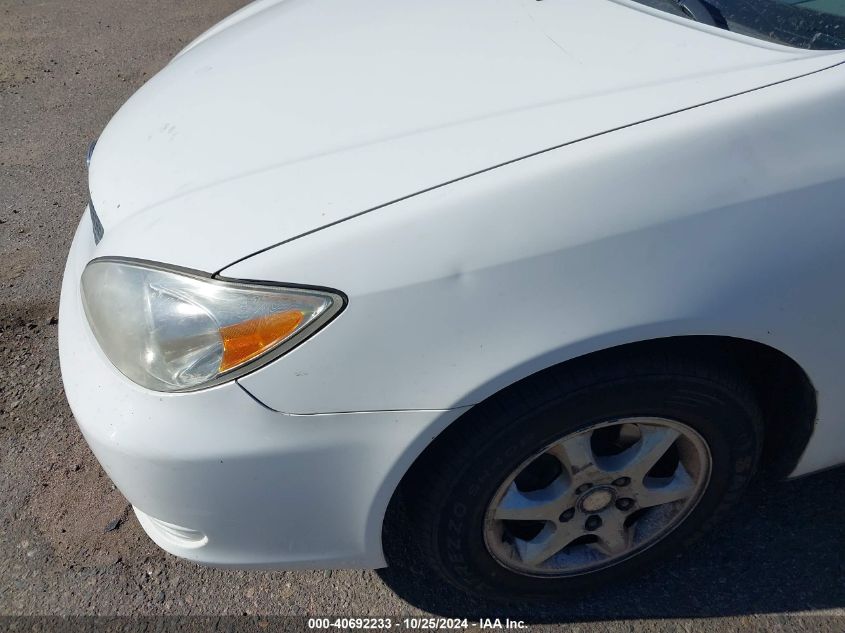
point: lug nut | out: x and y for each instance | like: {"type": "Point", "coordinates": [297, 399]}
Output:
{"type": "Point", "coordinates": [624, 503]}
{"type": "Point", "coordinates": [583, 488]}
{"type": "Point", "coordinates": [593, 523]}
{"type": "Point", "coordinates": [622, 481]}
{"type": "Point", "coordinates": [567, 515]}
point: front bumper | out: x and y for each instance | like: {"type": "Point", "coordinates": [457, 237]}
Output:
{"type": "Point", "coordinates": [216, 477]}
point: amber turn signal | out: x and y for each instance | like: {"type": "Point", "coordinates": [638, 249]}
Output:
{"type": "Point", "coordinates": [246, 340]}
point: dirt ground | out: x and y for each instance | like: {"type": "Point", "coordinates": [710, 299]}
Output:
{"type": "Point", "coordinates": [65, 67]}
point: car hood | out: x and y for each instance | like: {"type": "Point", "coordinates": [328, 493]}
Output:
{"type": "Point", "coordinates": [292, 115]}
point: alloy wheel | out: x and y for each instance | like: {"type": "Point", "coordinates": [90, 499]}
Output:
{"type": "Point", "coordinates": [597, 496]}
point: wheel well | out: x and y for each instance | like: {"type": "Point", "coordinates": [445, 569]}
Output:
{"type": "Point", "coordinates": [782, 388]}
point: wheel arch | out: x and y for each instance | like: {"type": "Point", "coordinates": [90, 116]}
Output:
{"type": "Point", "coordinates": [783, 389]}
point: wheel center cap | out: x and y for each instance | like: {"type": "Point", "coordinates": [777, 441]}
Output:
{"type": "Point", "coordinates": [596, 499]}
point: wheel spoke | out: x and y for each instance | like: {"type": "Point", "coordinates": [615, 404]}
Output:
{"type": "Point", "coordinates": [575, 454]}
{"type": "Point", "coordinates": [613, 537]}
{"type": "Point", "coordinates": [658, 491]}
{"type": "Point", "coordinates": [537, 505]}
{"type": "Point", "coordinates": [547, 543]}
{"type": "Point", "coordinates": [642, 456]}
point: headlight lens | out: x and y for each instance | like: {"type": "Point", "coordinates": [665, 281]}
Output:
{"type": "Point", "coordinates": [170, 330]}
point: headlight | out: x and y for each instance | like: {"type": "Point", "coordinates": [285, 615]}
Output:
{"type": "Point", "coordinates": [174, 330]}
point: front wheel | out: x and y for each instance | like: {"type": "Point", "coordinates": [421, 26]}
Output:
{"type": "Point", "coordinates": [547, 489]}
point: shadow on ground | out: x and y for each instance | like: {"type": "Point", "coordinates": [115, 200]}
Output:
{"type": "Point", "coordinates": [780, 551]}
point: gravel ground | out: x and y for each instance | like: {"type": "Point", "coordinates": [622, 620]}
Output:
{"type": "Point", "coordinates": [65, 67]}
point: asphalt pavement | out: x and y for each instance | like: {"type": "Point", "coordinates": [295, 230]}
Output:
{"type": "Point", "coordinates": [65, 67]}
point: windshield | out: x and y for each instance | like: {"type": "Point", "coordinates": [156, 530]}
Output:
{"type": "Point", "coordinates": [810, 24]}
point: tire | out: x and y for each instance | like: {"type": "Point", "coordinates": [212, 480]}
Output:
{"type": "Point", "coordinates": [449, 497]}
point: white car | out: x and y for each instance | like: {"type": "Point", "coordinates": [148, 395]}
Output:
{"type": "Point", "coordinates": [543, 283]}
